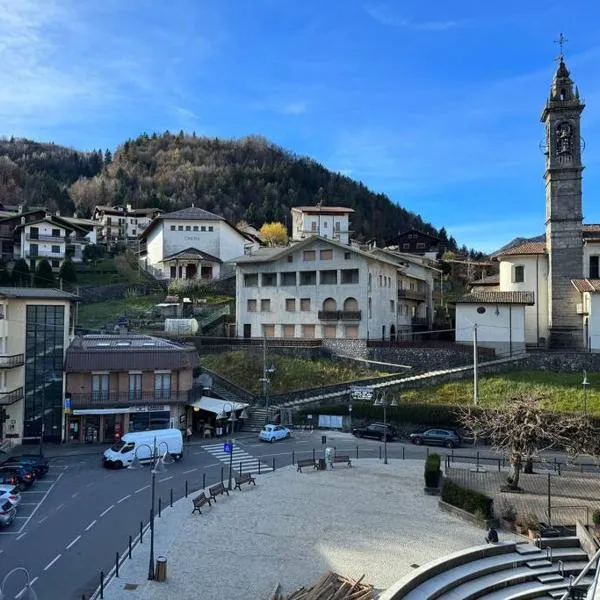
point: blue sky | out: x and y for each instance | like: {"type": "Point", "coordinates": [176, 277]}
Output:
{"type": "Point", "coordinates": [435, 103]}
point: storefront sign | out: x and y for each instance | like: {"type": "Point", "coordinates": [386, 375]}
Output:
{"type": "Point", "coordinates": [361, 392]}
{"type": "Point", "coordinates": [149, 408]}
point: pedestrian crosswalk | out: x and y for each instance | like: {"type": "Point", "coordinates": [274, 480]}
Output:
{"type": "Point", "coordinates": [242, 461]}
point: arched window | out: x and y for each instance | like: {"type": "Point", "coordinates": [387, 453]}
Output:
{"type": "Point", "coordinates": [329, 304]}
{"type": "Point", "coordinates": [350, 305]}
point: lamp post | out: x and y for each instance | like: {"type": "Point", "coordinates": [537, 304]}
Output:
{"type": "Point", "coordinates": [585, 384]}
{"type": "Point", "coordinates": [158, 466]}
{"type": "Point", "coordinates": [232, 419]}
{"type": "Point", "coordinates": [28, 592]}
{"type": "Point", "coordinates": [382, 400]}
{"type": "Point", "coordinates": [266, 380]}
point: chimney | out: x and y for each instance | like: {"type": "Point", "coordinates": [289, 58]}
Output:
{"type": "Point", "coordinates": [22, 220]}
{"type": "Point", "coordinates": [75, 215]}
{"type": "Point", "coordinates": [57, 213]}
{"type": "Point", "coordinates": [128, 207]}
{"type": "Point", "coordinates": [20, 208]}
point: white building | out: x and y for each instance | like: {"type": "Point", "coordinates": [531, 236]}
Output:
{"type": "Point", "coordinates": [329, 222]}
{"type": "Point", "coordinates": [191, 244]}
{"type": "Point", "coordinates": [122, 223]}
{"type": "Point", "coordinates": [319, 288]}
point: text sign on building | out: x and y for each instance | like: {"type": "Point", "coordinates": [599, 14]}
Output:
{"type": "Point", "coordinates": [359, 392]}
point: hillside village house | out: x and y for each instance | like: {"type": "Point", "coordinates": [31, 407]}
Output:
{"type": "Point", "coordinates": [319, 288]}
{"type": "Point", "coordinates": [548, 291]}
{"type": "Point", "coordinates": [329, 222]}
{"type": "Point", "coordinates": [191, 244]}
{"type": "Point", "coordinates": [36, 328]}
{"type": "Point", "coordinates": [414, 241]}
{"type": "Point", "coordinates": [122, 224]}
{"type": "Point", "coordinates": [121, 383]}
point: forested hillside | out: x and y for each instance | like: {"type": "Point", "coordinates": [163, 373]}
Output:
{"type": "Point", "coordinates": [248, 179]}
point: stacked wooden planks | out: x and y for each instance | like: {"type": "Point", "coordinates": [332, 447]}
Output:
{"type": "Point", "coordinates": [331, 586]}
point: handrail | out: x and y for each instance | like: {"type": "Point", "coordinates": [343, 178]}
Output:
{"type": "Point", "coordinates": [581, 575]}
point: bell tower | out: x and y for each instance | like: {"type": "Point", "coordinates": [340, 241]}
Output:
{"type": "Point", "coordinates": [564, 220]}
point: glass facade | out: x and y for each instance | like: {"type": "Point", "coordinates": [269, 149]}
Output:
{"type": "Point", "coordinates": [44, 351]}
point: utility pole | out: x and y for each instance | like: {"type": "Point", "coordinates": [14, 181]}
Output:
{"type": "Point", "coordinates": [475, 377]}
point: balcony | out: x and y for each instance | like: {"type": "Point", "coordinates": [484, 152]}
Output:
{"type": "Point", "coordinates": [12, 361]}
{"type": "Point", "coordinates": [420, 322]}
{"type": "Point", "coordinates": [53, 239]}
{"type": "Point", "coordinates": [7, 398]}
{"type": "Point", "coordinates": [41, 254]}
{"type": "Point", "coordinates": [417, 295]}
{"type": "Point", "coordinates": [126, 399]}
{"type": "Point", "coordinates": [339, 315]}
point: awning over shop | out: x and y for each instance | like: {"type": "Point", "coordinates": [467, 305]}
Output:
{"type": "Point", "coordinates": [216, 405]}
{"type": "Point", "coordinates": [100, 411]}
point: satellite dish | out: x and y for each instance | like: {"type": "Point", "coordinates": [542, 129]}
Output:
{"type": "Point", "coordinates": [205, 381]}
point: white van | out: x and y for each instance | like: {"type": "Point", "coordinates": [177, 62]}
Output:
{"type": "Point", "coordinates": [141, 442]}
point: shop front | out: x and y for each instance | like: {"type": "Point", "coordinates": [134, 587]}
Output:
{"type": "Point", "coordinates": [210, 417]}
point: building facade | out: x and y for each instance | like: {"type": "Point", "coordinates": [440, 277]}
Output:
{"type": "Point", "coordinates": [329, 222]}
{"type": "Point", "coordinates": [418, 242]}
{"type": "Point", "coordinates": [122, 224]}
{"type": "Point", "coordinates": [36, 328]}
{"type": "Point", "coordinates": [121, 383]}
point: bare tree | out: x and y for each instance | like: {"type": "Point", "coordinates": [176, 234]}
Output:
{"type": "Point", "coordinates": [521, 429]}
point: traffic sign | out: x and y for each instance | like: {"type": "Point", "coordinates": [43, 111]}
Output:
{"type": "Point", "coordinates": [359, 392]}
{"type": "Point", "coordinates": [228, 447]}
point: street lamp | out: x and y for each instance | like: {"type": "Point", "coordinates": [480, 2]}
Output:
{"type": "Point", "coordinates": [158, 466]}
{"type": "Point", "coordinates": [232, 419]}
{"type": "Point", "coordinates": [382, 400]}
{"type": "Point", "coordinates": [265, 381]}
{"type": "Point", "coordinates": [28, 592]}
{"type": "Point", "coordinates": [585, 384]}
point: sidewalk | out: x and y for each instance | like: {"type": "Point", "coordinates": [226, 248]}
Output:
{"type": "Point", "coordinates": [371, 519]}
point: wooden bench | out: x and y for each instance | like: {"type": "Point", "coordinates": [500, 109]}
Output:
{"type": "Point", "coordinates": [341, 458]}
{"type": "Point", "coordinates": [200, 500]}
{"type": "Point", "coordinates": [307, 462]}
{"type": "Point", "coordinates": [245, 478]}
{"type": "Point", "coordinates": [217, 489]}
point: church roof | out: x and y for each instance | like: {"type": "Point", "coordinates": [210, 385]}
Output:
{"type": "Point", "coordinates": [497, 298]}
{"type": "Point", "coordinates": [586, 285]}
{"type": "Point", "coordinates": [526, 247]}
{"type": "Point", "coordinates": [191, 254]}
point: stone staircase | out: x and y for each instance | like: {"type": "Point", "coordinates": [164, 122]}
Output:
{"type": "Point", "coordinates": [257, 419]}
{"type": "Point", "coordinates": [506, 571]}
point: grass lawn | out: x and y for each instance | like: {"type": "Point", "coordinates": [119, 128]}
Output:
{"type": "Point", "coordinates": [246, 368]}
{"type": "Point", "coordinates": [105, 272]}
{"type": "Point", "coordinates": [563, 390]}
{"type": "Point", "coordinates": [98, 314]}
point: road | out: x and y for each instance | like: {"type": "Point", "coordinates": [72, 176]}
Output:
{"type": "Point", "coordinates": [74, 521]}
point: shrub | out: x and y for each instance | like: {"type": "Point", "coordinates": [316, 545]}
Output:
{"type": "Point", "coordinates": [432, 471]}
{"type": "Point", "coordinates": [530, 521]}
{"type": "Point", "coordinates": [467, 499]}
{"type": "Point", "coordinates": [596, 517]}
{"type": "Point", "coordinates": [508, 511]}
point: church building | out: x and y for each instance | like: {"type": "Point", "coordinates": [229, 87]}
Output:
{"type": "Point", "coordinates": [548, 292]}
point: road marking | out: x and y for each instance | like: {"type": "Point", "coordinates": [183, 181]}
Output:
{"type": "Point", "coordinates": [52, 562]}
{"type": "Point", "coordinates": [75, 495]}
{"type": "Point", "coordinates": [74, 542]}
{"type": "Point", "coordinates": [25, 588]}
{"type": "Point", "coordinates": [21, 518]}
{"type": "Point", "coordinates": [27, 503]}
{"type": "Point", "coordinates": [89, 484]}
{"type": "Point", "coordinates": [124, 498]}
{"type": "Point", "coordinates": [90, 525]}
{"type": "Point", "coordinates": [20, 536]}
{"type": "Point", "coordinates": [60, 506]}
{"type": "Point", "coordinates": [165, 479]}
{"type": "Point", "coordinates": [109, 508]}
{"type": "Point", "coordinates": [190, 470]}
{"type": "Point", "coordinates": [42, 520]}
{"type": "Point", "coordinates": [142, 489]}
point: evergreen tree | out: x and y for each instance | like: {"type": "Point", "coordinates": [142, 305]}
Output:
{"type": "Point", "coordinates": [67, 272]}
{"type": "Point", "coordinates": [21, 275]}
{"type": "Point", "coordinates": [107, 157]}
{"type": "Point", "coordinates": [44, 276]}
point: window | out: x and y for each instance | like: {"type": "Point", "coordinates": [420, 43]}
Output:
{"type": "Point", "coordinates": [288, 331]}
{"type": "Point", "coordinates": [328, 277]}
{"type": "Point", "coordinates": [188, 227]}
{"type": "Point", "coordinates": [594, 270]}
{"type": "Point", "coordinates": [308, 255]}
{"type": "Point", "coordinates": [481, 310]}
{"type": "Point", "coordinates": [290, 304]}
{"type": "Point", "coordinates": [56, 233]}
{"type": "Point", "coordinates": [420, 246]}
{"type": "Point", "coordinates": [406, 246]}
{"type": "Point", "coordinates": [265, 305]}
{"type": "Point", "coordinates": [325, 225]}
{"type": "Point", "coordinates": [55, 264]}
{"type": "Point", "coordinates": [34, 233]}
{"type": "Point", "coordinates": [173, 271]}
{"type": "Point", "coordinates": [290, 258]}
{"type": "Point", "coordinates": [308, 277]}
{"type": "Point", "coordinates": [173, 228]}
{"type": "Point", "coordinates": [329, 305]}
{"type": "Point", "coordinates": [203, 228]}
{"type": "Point", "coordinates": [269, 279]}
{"type": "Point", "coordinates": [313, 226]}
{"type": "Point", "coordinates": [33, 249]}
{"type": "Point", "coordinates": [337, 226]}
{"type": "Point", "coordinates": [308, 331]}
{"type": "Point", "coordinates": [346, 255]}
{"type": "Point", "coordinates": [195, 228]}
{"type": "Point", "coordinates": [135, 386]}
{"type": "Point", "coordinates": [162, 385]}
{"type": "Point", "coordinates": [392, 306]}
{"type": "Point", "coordinates": [55, 250]}
{"type": "Point", "coordinates": [210, 228]}
{"type": "Point", "coordinates": [251, 305]}
{"type": "Point", "coordinates": [268, 331]}
{"type": "Point", "coordinates": [180, 227]}
{"type": "Point", "coordinates": [2, 316]}
{"type": "Point", "coordinates": [251, 280]}
{"type": "Point", "coordinates": [288, 278]}
{"type": "Point", "coordinates": [99, 387]}
{"type": "Point", "coordinates": [329, 331]}
{"type": "Point", "coordinates": [349, 276]}
{"type": "Point", "coordinates": [304, 304]}
{"type": "Point", "coordinates": [350, 305]}
{"type": "Point", "coordinates": [326, 254]}
{"type": "Point", "coordinates": [519, 274]}
{"type": "Point", "coordinates": [380, 281]}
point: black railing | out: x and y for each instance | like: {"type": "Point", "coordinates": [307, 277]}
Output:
{"type": "Point", "coordinates": [124, 399]}
{"type": "Point", "coordinates": [7, 398]}
{"type": "Point", "coordinates": [339, 315]}
{"type": "Point", "coordinates": [411, 295]}
{"type": "Point", "coordinates": [14, 360]}
{"type": "Point", "coordinates": [420, 321]}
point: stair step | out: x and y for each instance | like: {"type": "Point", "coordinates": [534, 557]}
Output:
{"type": "Point", "coordinates": [565, 541]}
{"type": "Point", "coordinates": [556, 593]}
{"type": "Point", "coordinates": [550, 578]}
{"type": "Point", "coordinates": [527, 549]}
{"type": "Point", "coordinates": [535, 564]}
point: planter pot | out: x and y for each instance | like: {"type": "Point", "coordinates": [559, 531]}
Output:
{"type": "Point", "coordinates": [533, 533]}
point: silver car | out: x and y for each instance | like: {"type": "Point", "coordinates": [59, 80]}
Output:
{"type": "Point", "coordinates": [7, 514]}
{"type": "Point", "coordinates": [10, 493]}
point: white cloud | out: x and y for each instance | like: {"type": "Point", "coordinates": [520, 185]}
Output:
{"type": "Point", "coordinates": [384, 14]}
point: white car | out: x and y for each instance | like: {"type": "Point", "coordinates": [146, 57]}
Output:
{"type": "Point", "coordinates": [272, 433]}
{"type": "Point", "coordinates": [10, 493]}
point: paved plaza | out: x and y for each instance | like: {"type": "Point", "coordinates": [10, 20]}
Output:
{"type": "Point", "coordinates": [371, 519]}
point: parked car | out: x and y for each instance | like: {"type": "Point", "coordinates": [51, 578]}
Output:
{"type": "Point", "coordinates": [8, 479]}
{"type": "Point", "coordinates": [7, 513]}
{"type": "Point", "coordinates": [24, 473]}
{"type": "Point", "coordinates": [38, 462]}
{"type": "Point", "coordinates": [272, 433]}
{"type": "Point", "coordinates": [10, 493]}
{"type": "Point", "coordinates": [377, 431]}
{"type": "Point", "coordinates": [437, 437]}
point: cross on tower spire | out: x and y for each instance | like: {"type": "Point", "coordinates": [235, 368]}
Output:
{"type": "Point", "coordinates": [561, 42]}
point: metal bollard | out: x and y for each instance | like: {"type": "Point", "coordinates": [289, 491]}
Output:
{"type": "Point", "coordinates": [117, 565]}
{"type": "Point", "coordinates": [379, 452]}
{"type": "Point", "coordinates": [357, 452]}
{"type": "Point", "coordinates": [258, 461]}
{"type": "Point", "coordinates": [159, 506]}
{"type": "Point", "coordinates": [203, 481]}
{"type": "Point", "coordinates": [273, 463]}
{"type": "Point", "coordinates": [240, 467]}
{"type": "Point", "coordinates": [171, 498]}
{"type": "Point", "coordinates": [141, 532]}
{"type": "Point", "coordinates": [186, 488]}
{"type": "Point", "coordinates": [499, 466]}
{"type": "Point", "coordinates": [293, 458]}
{"type": "Point", "coordinates": [427, 452]}
{"type": "Point", "coordinates": [130, 542]}
{"type": "Point", "coordinates": [314, 457]}
{"type": "Point", "coordinates": [101, 584]}
{"type": "Point", "coordinates": [402, 452]}
{"type": "Point", "coordinates": [222, 474]}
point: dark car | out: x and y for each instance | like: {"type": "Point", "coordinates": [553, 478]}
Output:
{"type": "Point", "coordinates": [376, 431]}
{"type": "Point", "coordinates": [437, 437]}
{"type": "Point", "coordinates": [8, 479]}
{"type": "Point", "coordinates": [38, 462]}
{"type": "Point", "coordinates": [24, 473]}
